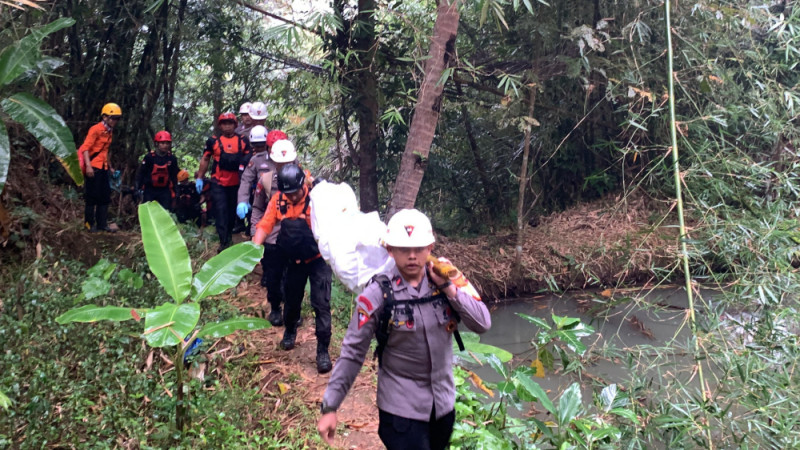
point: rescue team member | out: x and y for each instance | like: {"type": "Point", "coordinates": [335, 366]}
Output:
{"type": "Point", "coordinates": [261, 171]}
{"type": "Point", "coordinates": [290, 207]}
{"type": "Point", "coordinates": [94, 157]}
{"type": "Point", "coordinates": [245, 122]}
{"type": "Point", "coordinates": [226, 151]}
{"type": "Point", "coordinates": [158, 174]}
{"type": "Point", "coordinates": [416, 391]}
{"type": "Point", "coordinates": [258, 113]}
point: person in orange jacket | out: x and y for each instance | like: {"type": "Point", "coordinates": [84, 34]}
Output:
{"type": "Point", "coordinates": [97, 168]}
{"type": "Point", "coordinates": [290, 208]}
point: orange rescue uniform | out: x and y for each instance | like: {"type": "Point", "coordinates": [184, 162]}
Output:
{"type": "Point", "coordinates": [96, 143]}
{"type": "Point", "coordinates": [293, 211]}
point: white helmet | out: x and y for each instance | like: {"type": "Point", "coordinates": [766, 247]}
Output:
{"type": "Point", "coordinates": [258, 134]}
{"type": "Point", "coordinates": [245, 108]}
{"type": "Point", "coordinates": [409, 228]}
{"type": "Point", "coordinates": [282, 151]}
{"type": "Point", "coordinates": [258, 111]}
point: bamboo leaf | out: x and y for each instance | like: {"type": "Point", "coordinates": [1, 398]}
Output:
{"type": "Point", "coordinates": [42, 121]}
{"type": "Point", "coordinates": [222, 329]}
{"type": "Point", "coordinates": [94, 313]}
{"type": "Point", "coordinates": [165, 250]}
{"type": "Point", "coordinates": [225, 270]}
{"type": "Point", "coordinates": [170, 323]}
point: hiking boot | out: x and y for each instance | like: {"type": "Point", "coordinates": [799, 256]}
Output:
{"type": "Point", "coordinates": [276, 317]}
{"type": "Point", "coordinates": [92, 229]}
{"type": "Point", "coordinates": [287, 343]}
{"type": "Point", "coordinates": [323, 359]}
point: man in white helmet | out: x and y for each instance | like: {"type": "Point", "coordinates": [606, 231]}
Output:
{"type": "Point", "coordinates": [259, 182]}
{"type": "Point", "coordinates": [245, 122]}
{"type": "Point", "coordinates": [416, 390]}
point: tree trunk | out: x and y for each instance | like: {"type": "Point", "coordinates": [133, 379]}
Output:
{"type": "Point", "coordinates": [523, 183]}
{"type": "Point", "coordinates": [426, 113]}
{"type": "Point", "coordinates": [367, 106]}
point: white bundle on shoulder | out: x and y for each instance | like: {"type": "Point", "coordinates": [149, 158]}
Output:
{"type": "Point", "coordinates": [348, 239]}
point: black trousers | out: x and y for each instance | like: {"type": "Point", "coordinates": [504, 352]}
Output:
{"type": "Point", "coordinates": [162, 195]}
{"type": "Point", "coordinates": [273, 266]}
{"type": "Point", "coordinates": [224, 201]}
{"type": "Point", "coordinates": [319, 275]}
{"type": "Point", "coordinates": [399, 433]}
{"type": "Point", "coordinates": [98, 195]}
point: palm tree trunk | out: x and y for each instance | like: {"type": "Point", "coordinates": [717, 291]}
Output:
{"type": "Point", "coordinates": [426, 113]}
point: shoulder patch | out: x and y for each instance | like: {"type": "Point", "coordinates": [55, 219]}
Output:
{"type": "Point", "coordinates": [363, 317]}
{"type": "Point", "coordinates": [364, 302]}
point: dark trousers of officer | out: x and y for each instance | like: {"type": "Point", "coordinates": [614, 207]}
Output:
{"type": "Point", "coordinates": [319, 275]}
{"type": "Point", "coordinates": [399, 433]}
{"type": "Point", "coordinates": [162, 195]}
{"type": "Point", "coordinates": [273, 266]}
{"type": "Point", "coordinates": [224, 201]}
{"type": "Point", "coordinates": [98, 196]}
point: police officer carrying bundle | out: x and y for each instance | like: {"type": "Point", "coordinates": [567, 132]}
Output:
{"type": "Point", "coordinates": [419, 309]}
{"type": "Point", "coordinates": [291, 207]}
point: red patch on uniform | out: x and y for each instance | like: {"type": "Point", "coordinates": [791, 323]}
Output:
{"type": "Point", "coordinates": [363, 317]}
{"type": "Point", "coordinates": [409, 229]}
{"type": "Point", "coordinates": [366, 302]}
{"type": "Point", "coordinates": [410, 324]}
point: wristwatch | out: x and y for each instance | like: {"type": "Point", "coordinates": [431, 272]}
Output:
{"type": "Point", "coordinates": [325, 409]}
{"type": "Point", "coordinates": [444, 286]}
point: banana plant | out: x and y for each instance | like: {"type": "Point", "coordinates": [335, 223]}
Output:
{"type": "Point", "coordinates": [40, 119]}
{"type": "Point", "coordinates": [173, 324]}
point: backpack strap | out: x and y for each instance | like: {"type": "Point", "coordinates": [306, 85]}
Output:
{"type": "Point", "coordinates": [385, 316]}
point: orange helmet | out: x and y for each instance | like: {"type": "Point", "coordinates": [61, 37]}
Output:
{"type": "Point", "coordinates": [275, 135]}
{"type": "Point", "coordinates": [163, 136]}
{"type": "Point", "coordinates": [183, 176]}
{"type": "Point", "coordinates": [227, 117]}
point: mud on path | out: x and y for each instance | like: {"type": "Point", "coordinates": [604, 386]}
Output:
{"type": "Point", "coordinates": [291, 376]}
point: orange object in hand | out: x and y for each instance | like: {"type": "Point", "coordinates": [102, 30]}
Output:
{"type": "Point", "coordinates": [449, 271]}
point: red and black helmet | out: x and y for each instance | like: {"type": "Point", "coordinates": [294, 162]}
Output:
{"type": "Point", "coordinates": [274, 136]}
{"type": "Point", "coordinates": [227, 117]}
{"type": "Point", "coordinates": [163, 136]}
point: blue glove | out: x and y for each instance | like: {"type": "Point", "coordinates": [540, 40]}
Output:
{"type": "Point", "coordinates": [242, 209]}
{"type": "Point", "coordinates": [199, 184]}
{"type": "Point", "coordinates": [116, 174]}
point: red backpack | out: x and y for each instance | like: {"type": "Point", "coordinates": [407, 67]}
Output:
{"type": "Point", "coordinates": [159, 176]}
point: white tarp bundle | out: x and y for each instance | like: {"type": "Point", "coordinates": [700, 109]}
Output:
{"type": "Point", "coordinates": [348, 239]}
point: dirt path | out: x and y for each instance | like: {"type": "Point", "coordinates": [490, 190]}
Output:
{"type": "Point", "coordinates": [296, 369]}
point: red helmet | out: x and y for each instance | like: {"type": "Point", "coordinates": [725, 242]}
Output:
{"type": "Point", "coordinates": [163, 136]}
{"type": "Point", "coordinates": [275, 135]}
{"type": "Point", "coordinates": [228, 116]}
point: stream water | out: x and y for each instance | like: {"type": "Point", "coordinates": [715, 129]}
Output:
{"type": "Point", "coordinates": [637, 324]}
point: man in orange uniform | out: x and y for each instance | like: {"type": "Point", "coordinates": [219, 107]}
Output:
{"type": "Point", "coordinates": [290, 208]}
{"type": "Point", "coordinates": [228, 153]}
{"type": "Point", "coordinates": [94, 153]}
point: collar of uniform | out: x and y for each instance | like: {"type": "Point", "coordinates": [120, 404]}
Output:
{"type": "Point", "coordinates": [108, 128]}
{"type": "Point", "coordinates": [399, 283]}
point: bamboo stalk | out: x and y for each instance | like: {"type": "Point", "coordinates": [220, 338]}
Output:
{"type": "Point", "coordinates": [681, 222]}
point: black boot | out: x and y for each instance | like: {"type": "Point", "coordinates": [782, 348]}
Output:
{"type": "Point", "coordinates": [287, 343]}
{"type": "Point", "coordinates": [323, 358]}
{"type": "Point", "coordinates": [276, 316]}
{"type": "Point", "coordinates": [102, 219]}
